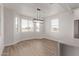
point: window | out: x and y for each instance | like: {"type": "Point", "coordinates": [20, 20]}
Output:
{"type": "Point", "coordinates": [27, 25]}
{"type": "Point", "coordinates": [30, 25]}
{"type": "Point", "coordinates": [17, 24]}
{"type": "Point", "coordinates": [55, 25]}
{"type": "Point", "coordinates": [37, 27]}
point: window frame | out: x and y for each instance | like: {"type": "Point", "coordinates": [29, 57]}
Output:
{"type": "Point", "coordinates": [28, 25]}
{"type": "Point", "coordinates": [17, 26]}
{"type": "Point", "coordinates": [54, 26]}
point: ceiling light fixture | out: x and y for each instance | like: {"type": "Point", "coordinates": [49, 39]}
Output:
{"type": "Point", "coordinates": [38, 18]}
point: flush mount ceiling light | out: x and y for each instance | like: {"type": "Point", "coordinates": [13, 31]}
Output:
{"type": "Point", "coordinates": [38, 18]}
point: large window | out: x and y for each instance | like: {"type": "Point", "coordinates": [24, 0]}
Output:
{"type": "Point", "coordinates": [55, 25]}
{"type": "Point", "coordinates": [26, 25]}
{"type": "Point", "coordinates": [17, 22]}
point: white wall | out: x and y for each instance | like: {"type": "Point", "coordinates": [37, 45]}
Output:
{"type": "Point", "coordinates": [1, 29]}
{"type": "Point", "coordinates": [8, 26]}
{"type": "Point", "coordinates": [72, 50]}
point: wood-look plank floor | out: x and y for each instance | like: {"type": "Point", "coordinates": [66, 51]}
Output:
{"type": "Point", "coordinates": [34, 47]}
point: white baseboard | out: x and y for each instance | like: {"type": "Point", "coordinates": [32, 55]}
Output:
{"type": "Point", "coordinates": [17, 41]}
{"type": "Point", "coordinates": [47, 37]}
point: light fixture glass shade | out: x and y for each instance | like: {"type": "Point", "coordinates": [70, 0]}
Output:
{"type": "Point", "coordinates": [38, 20]}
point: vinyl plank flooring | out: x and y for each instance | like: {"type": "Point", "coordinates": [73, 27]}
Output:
{"type": "Point", "coordinates": [33, 47]}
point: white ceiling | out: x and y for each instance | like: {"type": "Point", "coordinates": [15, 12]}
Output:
{"type": "Point", "coordinates": [47, 9]}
